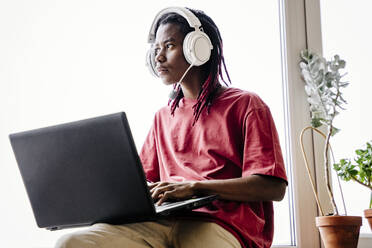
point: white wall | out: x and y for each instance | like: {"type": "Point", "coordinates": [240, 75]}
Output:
{"type": "Point", "coordinates": [62, 61]}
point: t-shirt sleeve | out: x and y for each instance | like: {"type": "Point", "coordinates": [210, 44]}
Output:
{"type": "Point", "coordinates": [149, 158]}
{"type": "Point", "coordinates": [262, 153]}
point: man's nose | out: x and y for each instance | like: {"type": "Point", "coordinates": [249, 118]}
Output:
{"type": "Point", "coordinates": [160, 57]}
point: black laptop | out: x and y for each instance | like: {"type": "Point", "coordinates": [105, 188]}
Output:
{"type": "Point", "coordinates": [86, 172]}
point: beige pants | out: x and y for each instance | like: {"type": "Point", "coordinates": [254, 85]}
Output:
{"type": "Point", "coordinates": [159, 234]}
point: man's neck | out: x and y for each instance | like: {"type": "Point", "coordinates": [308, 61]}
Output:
{"type": "Point", "coordinates": [191, 86]}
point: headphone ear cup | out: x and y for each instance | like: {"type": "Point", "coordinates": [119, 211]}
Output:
{"type": "Point", "coordinates": [150, 62]}
{"type": "Point", "coordinates": [197, 48]}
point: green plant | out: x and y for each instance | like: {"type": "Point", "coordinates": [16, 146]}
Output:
{"type": "Point", "coordinates": [360, 171]}
{"type": "Point", "coordinates": [323, 88]}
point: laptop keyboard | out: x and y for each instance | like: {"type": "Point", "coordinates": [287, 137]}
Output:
{"type": "Point", "coordinates": [166, 205]}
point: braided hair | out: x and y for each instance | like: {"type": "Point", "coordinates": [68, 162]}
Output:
{"type": "Point", "coordinates": [212, 68]}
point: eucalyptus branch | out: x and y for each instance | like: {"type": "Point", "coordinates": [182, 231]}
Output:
{"type": "Point", "coordinates": [323, 88]}
{"type": "Point", "coordinates": [326, 158]}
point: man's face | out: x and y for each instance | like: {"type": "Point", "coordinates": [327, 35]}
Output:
{"type": "Point", "coordinates": [170, 61]}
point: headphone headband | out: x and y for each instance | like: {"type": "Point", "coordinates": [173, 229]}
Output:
{"type": "Point", "coordinates": [187, 14]}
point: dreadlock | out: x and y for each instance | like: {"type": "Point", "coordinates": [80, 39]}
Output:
{"type": "Point", "coordinates": [212, 68]}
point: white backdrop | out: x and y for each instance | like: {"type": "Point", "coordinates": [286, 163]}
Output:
{"type": "Point", "coordinates": [65, 60]}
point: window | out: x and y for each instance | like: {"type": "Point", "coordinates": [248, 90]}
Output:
{"type": "Point", "coordinates": [349, 38]}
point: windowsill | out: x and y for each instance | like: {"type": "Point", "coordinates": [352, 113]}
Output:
{"type": "Point", "coordinates": [365, 240]}
{"type": "Point", "coordinates": [366, 235]}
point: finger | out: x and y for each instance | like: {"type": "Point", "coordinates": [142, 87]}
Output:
{"type": "Point", "coordinates": [157, 201]}
{"type": "Point", "coordinates": [152, 185]}
{"type": "Point", "coordinates": [159, 192]}
{"type": "Point", "coordinates": [158, 184]}
{"type": "Point", "coordinates": [164, 197]}
{"type": "Point", "coordinates": [155, 192]}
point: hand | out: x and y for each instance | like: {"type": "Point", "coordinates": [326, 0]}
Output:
{"type": "Point", "coordinates": [162, 191]}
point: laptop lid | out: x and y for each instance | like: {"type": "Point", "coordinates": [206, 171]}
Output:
{"type": "Point", "coordinates": [83, 172]}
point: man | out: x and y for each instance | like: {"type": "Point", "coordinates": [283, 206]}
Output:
{"type": "Point", "coordinates": [210, 139]}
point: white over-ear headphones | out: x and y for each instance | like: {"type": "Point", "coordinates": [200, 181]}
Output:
{"type": "Point", "coordinates": [196, 45]}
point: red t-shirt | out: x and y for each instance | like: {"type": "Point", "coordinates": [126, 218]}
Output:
{"type": "Point", "coordinates": [237, 138]}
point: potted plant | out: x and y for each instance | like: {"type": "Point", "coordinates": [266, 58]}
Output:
{"type": "Point", "coordinates": [360, 172]}
{"type": "Point", "coordinates": [323, 87]}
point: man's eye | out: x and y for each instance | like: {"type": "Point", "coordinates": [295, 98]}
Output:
{"type": "Point", "coordinates": [156, 51]}
{"type": "Point", "coordinates": [170, 45]}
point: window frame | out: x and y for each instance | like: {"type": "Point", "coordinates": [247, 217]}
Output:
{"type": "Point", "coordinates": [300, 29]}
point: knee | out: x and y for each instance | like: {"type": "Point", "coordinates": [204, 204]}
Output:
{"type": "Point", "coordinates": [72, 240]}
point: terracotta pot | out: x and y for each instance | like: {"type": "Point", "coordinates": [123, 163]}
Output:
{"type": "Point", "coordinates": [368, 215]}
{"type": "Point", "coordinates": [339, 231]}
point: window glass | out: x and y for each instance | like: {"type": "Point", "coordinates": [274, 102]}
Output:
{"type": "Point", "coordinates": [67, 60]}
{"type": "Point", "coordinates": [345, 26]}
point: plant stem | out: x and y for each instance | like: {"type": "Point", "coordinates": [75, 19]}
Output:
{"type": "Point", "coordinates": [326, 160]}
{"type": "Point", "coordinates": [356, 180]}
{"type": "Point", "coordinates": [326, 163]}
